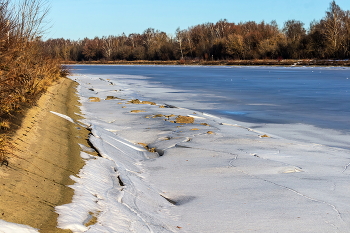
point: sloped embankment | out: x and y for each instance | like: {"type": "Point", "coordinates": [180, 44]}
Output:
{"type": "Point", "coordinates": [37, 175]}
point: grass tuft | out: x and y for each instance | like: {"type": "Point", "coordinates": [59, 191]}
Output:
{"type": "Point", "coordinates": [6, 150]}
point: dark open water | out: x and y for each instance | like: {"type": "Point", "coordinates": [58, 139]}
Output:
{"type": "Point", "coordinates": [316, 96]}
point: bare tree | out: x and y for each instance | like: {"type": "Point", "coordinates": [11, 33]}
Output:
{"type": "Point", "coordinates": [179, 39]}
{"type": "Point", "coordinates": [108, 46]}
{"type": "Point", "coordinates": [235, 46]}
{"type": "Point", "coordinates": [30, 18]}
{"type": "Point", "coordinates": [333, 27]}
{"type": "Point", "coordinates": [294, 31]}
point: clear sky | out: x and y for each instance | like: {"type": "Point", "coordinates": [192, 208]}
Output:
{"type": "Point", "coordinates": [77, 19]}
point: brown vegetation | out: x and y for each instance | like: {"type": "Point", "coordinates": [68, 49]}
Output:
{"type": "Point", "coordinates": [25, 70]}
{"type": "Point", "coordinates": [150, 149]}
{"type": "Point", "coordinates": [137, 101]}
{"type": "Point", "coordinates": [94, 99]}
{"type": "Point", "coordinates": [184, 120]}
{"type": "Point", "coordinates": [245, 43]}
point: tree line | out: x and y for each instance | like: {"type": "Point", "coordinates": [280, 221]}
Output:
{"type": "Point", "coordinates": [325, 38]}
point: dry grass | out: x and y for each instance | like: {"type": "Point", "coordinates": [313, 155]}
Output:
{"type": "Point", "coordinates": [25, 70]}
{"type": "Point", "coordinates": [137, 111]}
{"type": "Point", "coordinates": [184, 120]}
{"type": "Point", "coordinates": [5, 125]}
{"type": "Point", "coordinates": [94, 99]}
{"type": "Point", "coordinates": [150, 149]}
{"type": "Point", "coordinates": [6, 149]}
{"type": "Point", "coordinates": [137, 101]}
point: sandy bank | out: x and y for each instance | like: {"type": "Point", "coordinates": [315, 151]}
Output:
{"type": "Point", "coordinates": [36, 179]}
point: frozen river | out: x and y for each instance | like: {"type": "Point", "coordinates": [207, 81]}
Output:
{"type": "Point", "coordinates": [273, 155]}
{"type": "Point", "coordinates": [315, 96]}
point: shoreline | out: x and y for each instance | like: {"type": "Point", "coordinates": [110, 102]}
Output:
{"type": "Point", "coordinates": [47, 153]}
{"type": "Point", "coordinates": [267, 62]}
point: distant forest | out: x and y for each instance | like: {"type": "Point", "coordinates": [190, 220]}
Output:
{"type": "Point", "coordinates": [328, 38]}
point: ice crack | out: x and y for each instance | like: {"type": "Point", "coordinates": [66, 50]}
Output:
{"type": "Point", "coordinates": [346, 167]}
{"type": "Point", "coordinates": [289, 189]}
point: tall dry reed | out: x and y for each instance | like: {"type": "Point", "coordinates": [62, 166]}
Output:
{"type": "Point", "coordinates": [25, 70]}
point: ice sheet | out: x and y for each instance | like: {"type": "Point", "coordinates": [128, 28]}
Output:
{"type": "Point", "coordinates": [215, 175]}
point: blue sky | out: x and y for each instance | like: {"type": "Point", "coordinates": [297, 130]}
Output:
{"type": "Point", "coordinates": [77, 19]}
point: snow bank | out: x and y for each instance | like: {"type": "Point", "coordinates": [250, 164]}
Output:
{"type": "Point", "coordinates": [7, 227]}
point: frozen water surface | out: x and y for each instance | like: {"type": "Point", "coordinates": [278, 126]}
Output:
{"type": "Point", "coordinates": [266, 94]}
{"type": "Point", "coordinates": [268, 150]}
{"type": "Point", "coordinates": [316, 96]}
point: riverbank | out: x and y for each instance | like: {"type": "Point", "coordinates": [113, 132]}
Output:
{"type": "Point", "coordinates": [46, 154]}
{"type": "Point", "coordinates": [210, 174]}
{"type": "Point", "coordinates": [256, 62]}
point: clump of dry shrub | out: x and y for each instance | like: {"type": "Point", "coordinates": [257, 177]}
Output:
{"type": "Point", "coordinates": [25, 70]}
{"type": "Point", "coordinates": [6, 149]}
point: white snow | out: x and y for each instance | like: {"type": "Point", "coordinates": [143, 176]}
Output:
{"type": "Point", "coordinates": [63, 116]}
{"type": "Point", "coordinates": [234, 180]}
{"type": "Point", "coordinates": [8, 227]}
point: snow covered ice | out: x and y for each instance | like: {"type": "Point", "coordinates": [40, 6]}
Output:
{"type": "Point", "coordinates": [214, 175]}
